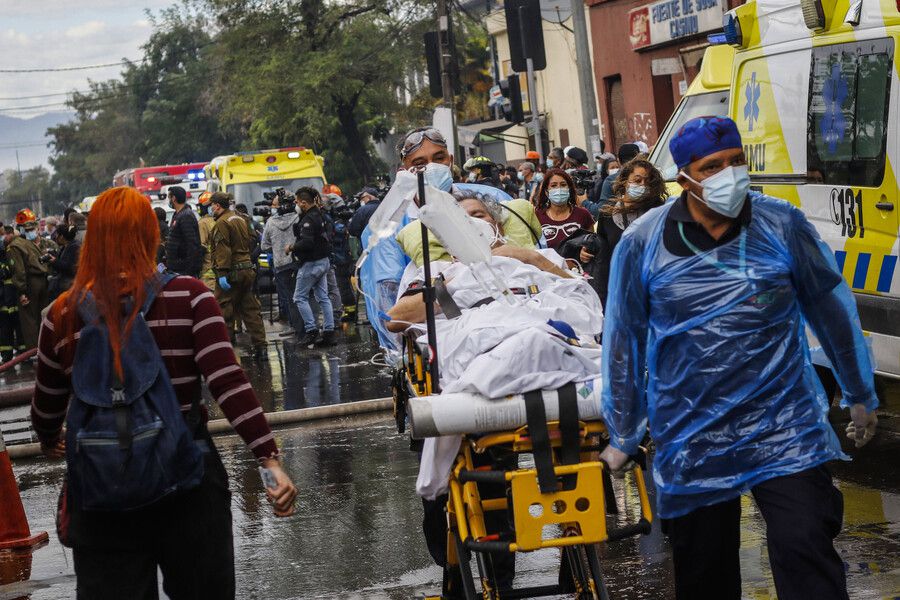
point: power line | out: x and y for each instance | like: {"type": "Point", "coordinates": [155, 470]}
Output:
{"type": "Point", "coordinates": [60, 69]}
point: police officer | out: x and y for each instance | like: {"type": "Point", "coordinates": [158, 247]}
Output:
{"type": "Point", "coordinates": [231, 239]}
{"type": "Point", "coordinates": [29, 275]}
{"type": "Point", "coordinates": [205, 225]}
{"type": "Point", "coordinates": [10, 331]}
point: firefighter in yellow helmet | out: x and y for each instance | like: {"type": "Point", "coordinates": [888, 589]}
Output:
{"type": "Point", "coordinates": [29, 274]}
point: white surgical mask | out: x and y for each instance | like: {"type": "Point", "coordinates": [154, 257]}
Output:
{"type": "Point", "coordinates": [635, 191]}
{"type": "Point", "coordinates": [521, 176]}
{"type": "Point", "coordinates": [613, 171]}
{"type": "Point", "coordinates": [726, 191]}
{"type": "Point", "coordinates": [472, 178]}
{"type": "Point", "coordinates": [439, 175]}
{"type": "Point", "coordinates": [558, 196]}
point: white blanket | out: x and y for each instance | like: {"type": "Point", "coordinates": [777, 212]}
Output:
{"type": "Point", "coordinates": [496, 349]}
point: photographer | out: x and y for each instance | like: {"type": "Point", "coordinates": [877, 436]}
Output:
{"type": "Point", "coordinates": [312, 249]}
{"type": "Point", "coordinates": [639, 187]}
{"type": "Point", "coordinates": [278, 234]}
{"type": "Point", "coordinates": [368, 198]}
{"type": "Point", "coordinates": [341, 214]}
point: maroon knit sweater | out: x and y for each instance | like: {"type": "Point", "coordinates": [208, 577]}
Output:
{"type": "Point", "coordinates": [189, 329]}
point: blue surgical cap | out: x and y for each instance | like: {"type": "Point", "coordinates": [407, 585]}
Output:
{"type": "Point", "coordinates": [701, 137]}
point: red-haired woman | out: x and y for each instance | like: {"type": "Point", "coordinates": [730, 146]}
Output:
{"type": "Point", "coordinates": [187, 534]}
{"type": "Point", "coordinates": [560, 217]}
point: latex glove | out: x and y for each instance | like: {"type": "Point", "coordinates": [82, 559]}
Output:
{"type": "Point", "coordinates": [223, 283]}
{"type": "Point", "coordinates": [862, 425]}
{"type": "Point", "coordinates": [283, 495]}
{"type": "Point", "coordinates": [614, 458]}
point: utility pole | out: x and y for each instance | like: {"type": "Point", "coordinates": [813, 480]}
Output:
{"type": "Point", "coordinates": [532, 91]}
{"type": "Point", "coordinates": [447, 66]}
{"type": "Point", "coordinates": [585, 75]}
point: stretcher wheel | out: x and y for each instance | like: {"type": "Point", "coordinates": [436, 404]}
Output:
{"type": "Point", "coordinates": [584, 570]}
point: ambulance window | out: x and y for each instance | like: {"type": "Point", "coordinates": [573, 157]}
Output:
{"type": "Point", "coordinates": [849, 94]}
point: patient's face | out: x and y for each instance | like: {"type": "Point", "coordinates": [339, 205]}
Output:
{"type": "Point", "coordinates": [476, 210]}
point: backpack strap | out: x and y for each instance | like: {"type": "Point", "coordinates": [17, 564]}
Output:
{"type": "Point", "coordinates": [153, 287]}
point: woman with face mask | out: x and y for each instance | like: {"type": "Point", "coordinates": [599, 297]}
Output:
{"type": "Point", "coordinates": [640, 188]}
{"type": "Point", "coordinates": [557, 212]}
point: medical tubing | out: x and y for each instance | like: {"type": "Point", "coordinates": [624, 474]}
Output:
{"type": "Point", "coordinates": [429, 297]}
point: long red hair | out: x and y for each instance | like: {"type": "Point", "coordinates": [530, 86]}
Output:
{"type": "Point", "coordinates": [117, 259]}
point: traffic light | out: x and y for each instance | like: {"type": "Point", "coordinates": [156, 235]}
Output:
{"type": "Point", "coordinates": [510, 88]}
{"type": "Point", "coordinates": [527, 30]}
{"type": "Point", "coordinates": [433, 60]}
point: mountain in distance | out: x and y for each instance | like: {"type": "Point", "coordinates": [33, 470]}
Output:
{"type": "Point", "coordinates": [28, 134]}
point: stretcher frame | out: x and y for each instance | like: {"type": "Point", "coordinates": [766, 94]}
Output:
{"type": "Point", "coordinates": [577, 510]}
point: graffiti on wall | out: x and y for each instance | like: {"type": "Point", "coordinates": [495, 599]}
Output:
{"type": "Point", "coordinates": [642, 127]}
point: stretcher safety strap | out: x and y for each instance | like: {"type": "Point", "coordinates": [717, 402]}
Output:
{"type": "Point", "coordinates": [445, 300]}
{"type": "Point", "coordinates": [536, 418]}
{"type": "Point", "coordinates": [570, 452]}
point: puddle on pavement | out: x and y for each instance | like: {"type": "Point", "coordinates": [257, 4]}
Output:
{"type": "Point", "coordinates": [357, 531]}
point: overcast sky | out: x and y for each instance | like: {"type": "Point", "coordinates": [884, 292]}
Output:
{"type": "Point", "coordinates": [63, 33]}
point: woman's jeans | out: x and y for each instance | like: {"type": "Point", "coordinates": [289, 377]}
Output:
{"type": "Point", "coordinates": [313, 276]}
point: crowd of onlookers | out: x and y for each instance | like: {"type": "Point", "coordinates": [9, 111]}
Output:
{"type": "Point", "coordinates": [38, 260]}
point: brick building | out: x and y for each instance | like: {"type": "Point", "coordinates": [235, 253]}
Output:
{"type": "Point", "coordinates": [645, 54]}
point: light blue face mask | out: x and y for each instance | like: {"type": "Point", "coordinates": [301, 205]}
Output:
{"type": "Point", "coordinates": [726, 191]}
{"type": "Point", "coordinates": [635, 191]}
{"type": "Point", "coordinates": [558, 196]}
{"type": "Point", "coordinates": [549, 163]}
{"type": "Point", "coordinates": [31, 235]}
{"type": "Point", "coordinates": [537, 177]}
{"type": "Point", "coordinates": [439, 175]}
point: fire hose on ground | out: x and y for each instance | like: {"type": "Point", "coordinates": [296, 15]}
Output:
{"type": "Point", "coordinates": [275, 419]}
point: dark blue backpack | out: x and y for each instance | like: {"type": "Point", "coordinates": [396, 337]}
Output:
{"type": "Point", "coordinates": [127, 443]}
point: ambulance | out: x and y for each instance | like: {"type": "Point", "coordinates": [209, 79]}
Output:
{"type": "Point", "coordinates": [814, 91]}
{"type": "Point", "coordinates": [249, 175]}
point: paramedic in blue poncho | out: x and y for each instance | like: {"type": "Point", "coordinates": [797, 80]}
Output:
{"type": "Point", "coordinates": [423, 147]}
{"type": "Point", "coordinates": [704, 338]}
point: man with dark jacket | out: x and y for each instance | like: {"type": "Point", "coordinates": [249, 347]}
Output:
{"type": "Point", "coordinates": [369, 200]}
{"type": "Point", "coordinates": [184, 254]}
{"type": "Point", "coordinates": [312, 249]}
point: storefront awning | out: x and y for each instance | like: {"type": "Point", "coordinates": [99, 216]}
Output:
{"type": "Point", "coordinates": [470, 133]}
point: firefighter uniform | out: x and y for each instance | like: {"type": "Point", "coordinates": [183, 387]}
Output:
{"type": "Point", "coordinates": [30, 279]}
{"type": "Point", "coordinates": [231, 240]}
{"type": "Point", "coordinates": [10, 331]}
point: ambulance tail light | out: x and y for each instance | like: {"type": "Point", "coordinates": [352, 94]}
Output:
{"type": "Point", "coordinates": [734, 35]}
{"type": "Point", "coordinates": [293, 155]}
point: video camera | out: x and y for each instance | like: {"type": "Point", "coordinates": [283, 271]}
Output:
{"type": "Point", "coordinates": [584, 179]}
{"type": "Point", "coordinates": [263, 208]}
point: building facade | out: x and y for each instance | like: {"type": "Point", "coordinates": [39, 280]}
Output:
{"type": "Point", "coordinates": [557, 91]}
{"type": "Point", "coordinates": [645, 54]}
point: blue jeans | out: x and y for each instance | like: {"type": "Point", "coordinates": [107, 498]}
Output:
{"type": "Point", "coordinates": [313, 276]}
{"type": "Point", "coordinates": [285, 283]}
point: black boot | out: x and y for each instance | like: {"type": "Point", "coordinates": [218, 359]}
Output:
{"type": "Point", "coordinates": [309, 340]}
{"type": "Point", "coordinates": [327, 338]}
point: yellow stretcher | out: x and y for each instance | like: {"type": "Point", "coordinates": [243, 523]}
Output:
{"type": "Point", "coordinates": [570, 513]}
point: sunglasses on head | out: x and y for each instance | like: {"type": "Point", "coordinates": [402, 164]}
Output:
{"type": "Point", "coordinates": [415, 139]}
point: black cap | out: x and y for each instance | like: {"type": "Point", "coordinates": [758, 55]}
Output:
{"type": "Point", "coordinates": [178, 193]}
{"type": "Point", "coordinates": [576, 154]}
{"type": "Point", "coordinates": [627, 152]}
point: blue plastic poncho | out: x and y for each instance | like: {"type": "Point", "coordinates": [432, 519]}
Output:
{"type": "Point", "coordinates": [712, 349]}
{"type": "Point", "coordinates": [379, 279]}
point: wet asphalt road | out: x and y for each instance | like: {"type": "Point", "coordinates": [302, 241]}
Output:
{"type": "Point", "coordinates": [356, 534]}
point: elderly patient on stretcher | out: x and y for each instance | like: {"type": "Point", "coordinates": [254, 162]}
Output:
{"type": "Point", "coordinates": [539, 332]}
